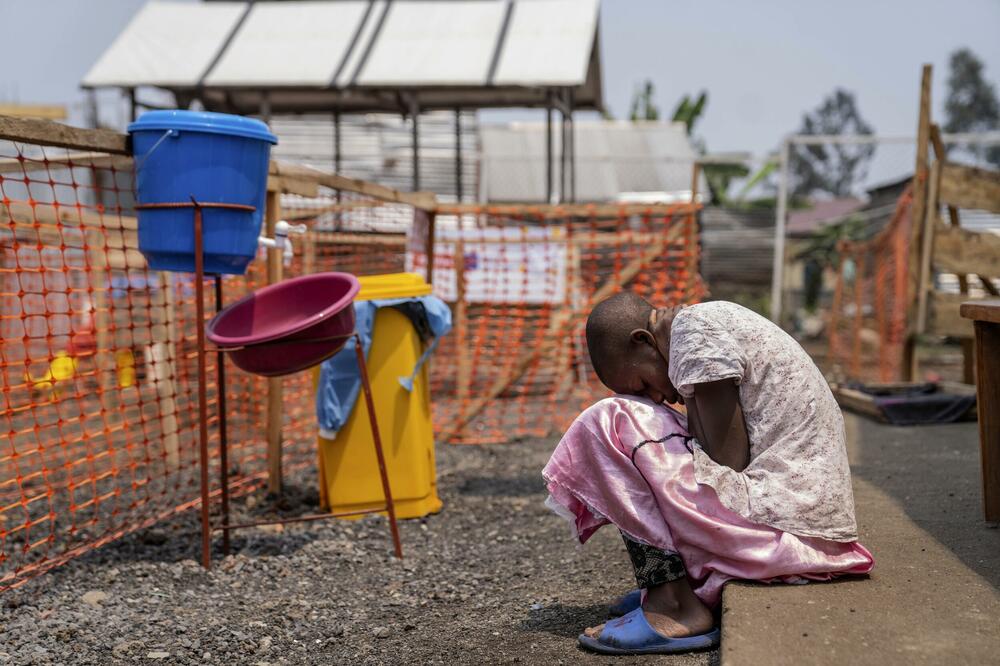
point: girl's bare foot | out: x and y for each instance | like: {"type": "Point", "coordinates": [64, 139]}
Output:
{"type": "Point", "coordinates": [673, 610]}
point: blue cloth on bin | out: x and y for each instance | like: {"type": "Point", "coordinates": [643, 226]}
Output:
{"type": "Point", "coordinates": [339, 379]}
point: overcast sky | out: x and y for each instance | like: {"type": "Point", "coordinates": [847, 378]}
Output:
{"type": "Point", "coordinates": [763, 63]}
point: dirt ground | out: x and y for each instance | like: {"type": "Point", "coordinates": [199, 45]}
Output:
{"type": "Point", "coordinates": [493, 579]}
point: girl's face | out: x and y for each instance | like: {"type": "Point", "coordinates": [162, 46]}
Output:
{"type": "Point", "coordinates": [645, 372]}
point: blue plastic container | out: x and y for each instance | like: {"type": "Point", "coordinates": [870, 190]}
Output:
{"type": "Point", "coordinates": [215, 158]}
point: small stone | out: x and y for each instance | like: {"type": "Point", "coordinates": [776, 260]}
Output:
{"type": "Point", "coordinates": [381, 632]}
{"type": "Point", "coordinates": [94, 598]}
{"type": "Point", "coordinates": [157, 654]}
{"type": "Point", "coordinates": [154, 537]}
{"type": "Point", "coordinates": [265, 643]}
{"type": "Point", "coordinates": [277, 528]}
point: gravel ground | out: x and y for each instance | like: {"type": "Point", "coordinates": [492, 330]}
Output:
{"type": "Point", "coordinates": [493, 579]}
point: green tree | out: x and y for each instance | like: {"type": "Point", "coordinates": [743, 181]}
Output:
{"type": "Point", "coordinates": [831, 168]}
{"type": "Point", "coordinates": [971, 104]}
{"type": "Point", "coordinates": [643, 106]}
{"type": "Point", "coordinates": [688, 111]}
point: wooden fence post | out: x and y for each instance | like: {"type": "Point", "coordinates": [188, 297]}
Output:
{"type": "Point", "coordinates": [920, 177]}
{"type": "Point", "coordinates": [464, 374]}
{"type": "Point", "coordinates": [275, 413]}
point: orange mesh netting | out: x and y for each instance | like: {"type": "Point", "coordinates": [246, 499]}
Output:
{"type": "Point", "coordinates": [521, 282]}
{"type": "Point", "coordinates": [99, 368]}
{"type": "Point", "coordinates": [99, 362]}
{"type": "Point", "coordinates": [868, 318]}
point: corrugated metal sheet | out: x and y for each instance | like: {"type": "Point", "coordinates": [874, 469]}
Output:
{"type": "Point", "coordinates": [349, 54]}
{"type": "Point", "coordinates": [166, 44]}
{"type": "Point", "coordinates": [378, 148]}
{"type": "Point", "coordinates": [737, 249]}
{"type": "Point", "coordinates": [412, 49]}
{"type": "Point", "coordinates": [289, 43]}
{"type": "Point", "coordinates": [535, 54]}
{"type": "Point", "coordinates": [611, 158]}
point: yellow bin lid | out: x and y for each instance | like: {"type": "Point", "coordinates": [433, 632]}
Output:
{"type": "Point", "coordinates": [392, 285]}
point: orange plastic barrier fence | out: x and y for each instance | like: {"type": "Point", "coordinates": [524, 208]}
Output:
{"type": "Point", "coordinates": [99, 353]}
{"type": "Point", "coordinates": [98, 368]}
{"type": "Point", "coordinates": [868, 318]}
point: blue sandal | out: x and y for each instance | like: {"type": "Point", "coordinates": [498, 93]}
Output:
{"type": "Point", "coordinates": [626, 604]}
{"type": "Point", "coordinates": [631, 634]}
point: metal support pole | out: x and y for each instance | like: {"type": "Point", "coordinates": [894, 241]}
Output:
{"type": "Point", "coordinates": [336, 142]}
{"type": "Point", "coordinates": [199, 284]}
{"type": "Point", "coordinates": [572, 148]}
{"type": "Point", "coordinates": [548, 149]}
{"type": "Point", "coordinates": [265, 107]}
{"type": "Point", "coordinates": [458, 155]}
{"type": "Point", "coordinates": [377, 439]}
{"type": "Point", "coordinates": [220, 360]}
{"type": "Point", "coordinates": [415, 118]}
{"type": "Point", "coordinates": [429, 245]}
{"type": "Point", "coordinates": [563, 179]}
{"type": "Point", "coordinates": [132, 108]}
{"type": "Point", "coordinates": [778, 270]}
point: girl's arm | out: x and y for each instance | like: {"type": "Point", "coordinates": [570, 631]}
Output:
{"type": "Point", "coordinates": [716, 420]}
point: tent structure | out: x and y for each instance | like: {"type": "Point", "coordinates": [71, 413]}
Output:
{"type": "Point", "coordinates": [362, 56]}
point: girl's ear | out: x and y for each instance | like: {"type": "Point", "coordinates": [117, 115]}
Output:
{"type": "Point", "coordinates": [641, 335]}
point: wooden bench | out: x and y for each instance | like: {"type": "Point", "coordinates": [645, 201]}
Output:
{"type": "Point", "coordinates": [986, 318]}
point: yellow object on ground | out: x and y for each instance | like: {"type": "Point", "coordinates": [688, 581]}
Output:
{"type": "Point", "coordinates": [348, 467]}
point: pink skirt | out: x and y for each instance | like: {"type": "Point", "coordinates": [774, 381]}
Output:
{"type": "Point", "coordinates": [625, 461]}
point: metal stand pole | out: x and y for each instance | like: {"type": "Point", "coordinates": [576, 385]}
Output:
{"type": "Point", "coordinates": [220, 360]}
{"type": "Point", "coordinates": [390, 508]}
{"type": "Point", "coordinates": [199, 270]}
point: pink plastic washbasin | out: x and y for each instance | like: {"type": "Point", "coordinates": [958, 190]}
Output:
{"type": "Point", "coordinates": [289, 326]}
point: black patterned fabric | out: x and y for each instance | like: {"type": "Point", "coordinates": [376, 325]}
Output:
{"type": "Point", "coordinates": [653, 566]}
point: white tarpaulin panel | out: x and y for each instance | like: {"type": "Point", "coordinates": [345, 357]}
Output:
{"type": "Point", "coordinates": [449, 53]}
{"type": "Point", "coordinates": [435, 43]}
{"type": "Point", "coordinates": [548, 43]}
{"type": "Point", "coordinates": [166, 44]}
{"type": "Point", "coordinates": [502, 265]}
{"type": "Point", "coordinates": [350, 70]}
{"type": "Point", "coordinates": [289, 43]}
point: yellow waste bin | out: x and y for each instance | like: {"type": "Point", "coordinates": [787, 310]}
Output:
{"type": "Point", "coordinates": [348, 468]}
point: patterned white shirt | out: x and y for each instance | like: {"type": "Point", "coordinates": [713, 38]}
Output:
{"type": "Point", "coordinates": [798, 479]}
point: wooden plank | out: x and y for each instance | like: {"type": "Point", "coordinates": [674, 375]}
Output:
{"type": "Point", "coordinates": [309, 253]}
{"type": "Point", "coordinates": [988, 396]}
{"type": "Point", "coordinates": [985, 310]}
{"type": "Point", "coordinates": [50, 133]}
{"type": "Point", "coordinates": [958, 250]}
{"type": "Point", "coordinates": [918, 212]}
{"type": "Point", "coordinates": [309, 212]}
{"type": "Point", "coordinates": [857, 401]}
{"type": "Point", "coordinates": [275, 397]}
{"type": "Point", "coordinates": [945, 318]}
{"type": "Point", "coordinates": [970, 187]}
{"type": "Point", "coordinates": [422, 200]}
{"type": "Point", "coordinates": [163, 351]}
{"type": "Point", "coordinates": [927, 237]}
{"type": "Point", "coordinates": [338, 238]}
{"type": "Point", "coordinates": [44, 111]}
{"type": "Point", "coordinates": [78, 160]}
{"type": "Point", "coordinates": [556, 211]}
{"type": "Point", "coordinates": [303, 188]}
{"type": "Point", "coordinates": [47, 213]}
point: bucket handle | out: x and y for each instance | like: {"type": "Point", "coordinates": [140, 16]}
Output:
{"type": "Point", "coordinates": [170, 133]}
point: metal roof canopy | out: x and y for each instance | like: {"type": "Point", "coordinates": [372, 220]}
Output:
{"type": "Point", "coordinates": [357, 56]}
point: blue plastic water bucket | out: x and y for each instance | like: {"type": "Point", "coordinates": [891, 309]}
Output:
{"type": "Point", "coordinates": [215, 158]}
